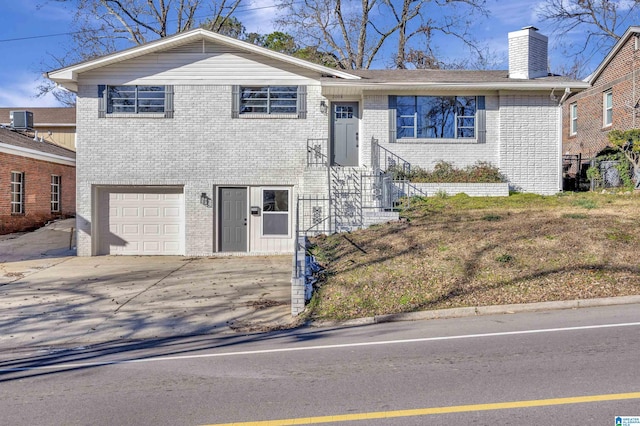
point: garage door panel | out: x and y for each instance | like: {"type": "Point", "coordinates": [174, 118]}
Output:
{"type": "Point", "coordinates": [151, 211]}
{"type": "Point", "coordinates": [130, 229]}
{"type": "Point", "coordinates": [171, 246]}
{"type": "Point", "coordinates": [152, 246]}
{"type": "Point", "coordinates": [142, 223]}
{"type": "Point", "coordinates": [130, 212]}
{"type": "Point", "coordinates": [171, 212]}
{"type": "Point", "coordinates": [171, 229]}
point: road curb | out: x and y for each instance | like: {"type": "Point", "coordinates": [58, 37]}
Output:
{"type": "Point", "coordinates": [482, 310]}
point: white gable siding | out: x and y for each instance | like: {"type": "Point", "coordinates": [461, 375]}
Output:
{"type": "Point", "coordinates": [219, 67]}
{"type": "Point", "coordinates": [530, 142]}
{"type": "Point", "coordinates": [201, 46]}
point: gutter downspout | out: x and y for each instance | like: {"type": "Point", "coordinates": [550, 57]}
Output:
{"type": "Point", "coordinates": [565, 95]}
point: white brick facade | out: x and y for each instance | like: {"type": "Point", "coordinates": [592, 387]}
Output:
{"type": "Point", "coordinates": [530, 143]}
{"type": "Point", "coordinates": [200, 148]}
{"type": "Point", "coordinates": [522, 140]}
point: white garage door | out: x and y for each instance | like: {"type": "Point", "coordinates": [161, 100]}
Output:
{"type": "Point", "coordinates": [142, 221]}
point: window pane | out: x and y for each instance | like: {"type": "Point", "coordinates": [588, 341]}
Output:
{"type": "Point", "coordinates": [151, 91]}
{"type": "Point", "coordinates": [608, 116]}
{"type": "Point", "coordinates": [269, 99]}
{"type": "Point", "coordinates": [254, 99]}
{"type": "Point", "coordinates": [466, 106]}
{"type": "Point", "coordinates": [407, 102]}
{"type": "Point", "coordinates": [466, 122]}
{"type": "Point", "coordinates": [436, 117]}
{"type": "Point", "coordinates": [466, 133]}
{"type": "Point", "coordinates": [136, 99]}
{"type": "Point", "coordinates": [275, 224]}
{"type": "Point", "coordinates": [275, 208]}
{"type": "Point", "coordinates": [275, 200]}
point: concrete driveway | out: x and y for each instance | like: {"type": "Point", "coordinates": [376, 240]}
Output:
{"type": "Point", "coordinates": [50, 297]}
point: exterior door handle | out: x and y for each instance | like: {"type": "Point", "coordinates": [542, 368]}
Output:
{"type": "Point", "coordinates": [245, 221]}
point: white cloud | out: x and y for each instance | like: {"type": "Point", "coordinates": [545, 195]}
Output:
{"type": "Point", "coordinates": [22, 92]}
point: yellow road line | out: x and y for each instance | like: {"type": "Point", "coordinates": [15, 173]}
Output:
{"type": "Point", "coordinates": [438, 410]}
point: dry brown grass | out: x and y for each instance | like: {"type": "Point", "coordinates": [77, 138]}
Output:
{"type": "Point", "coordinates": [462, 251]}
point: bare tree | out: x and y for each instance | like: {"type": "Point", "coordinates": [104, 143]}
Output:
{"type": "Point", "coordinates": [104, 26]}
{"type": "Point", "coordinates": [355, 32]}
{"type": "Point", "coordinates": [599, 23]}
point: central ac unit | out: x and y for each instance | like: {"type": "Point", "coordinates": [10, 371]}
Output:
{"type": "Point", "coordinates": [21, 119]}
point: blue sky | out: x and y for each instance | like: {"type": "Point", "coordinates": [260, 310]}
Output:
{"type": "Point", "coordinates": [29, 28]}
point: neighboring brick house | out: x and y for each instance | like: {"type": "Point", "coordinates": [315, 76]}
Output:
{"type": "Point", "coordinates": [199, 144]}
{"type": "Point", "coordinates": [56, 125]}
{"type": "Point", "coordinates": [611, 102]}
{"type": "Point", "coordinates": [37, 182]}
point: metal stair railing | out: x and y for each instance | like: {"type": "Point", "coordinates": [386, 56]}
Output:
{"type": "Point", "coordinates": [383, 160]}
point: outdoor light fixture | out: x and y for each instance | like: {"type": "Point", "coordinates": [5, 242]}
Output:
{"type": "Point", "coordinates": [323, 107]}
{"type": "Point", "coordinates": [204, 199]}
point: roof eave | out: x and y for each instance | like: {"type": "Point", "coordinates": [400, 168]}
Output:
{"type": "Point", "coordinates": [38, 155]}
{"type": "Point", "coordinates": [614, 51]}
{"type": "Point", "coordinates": [69, 75]}
{"type": "Point", "coordinates": [460, 86]}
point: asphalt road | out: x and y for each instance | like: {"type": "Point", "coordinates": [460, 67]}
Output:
{"type": "Point", "coordinates": [560, 367]}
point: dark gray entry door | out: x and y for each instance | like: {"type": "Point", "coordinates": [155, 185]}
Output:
{"type": "Point", "coordinates": [233, 219]}
{"type": "Point", "coordinates": [344, 147]}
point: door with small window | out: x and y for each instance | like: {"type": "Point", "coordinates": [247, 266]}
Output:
{"type": "Point", "coordinates": [344, 141]}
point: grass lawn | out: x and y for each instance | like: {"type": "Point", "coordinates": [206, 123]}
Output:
{"type": "Point", "coordinates": [461, 251]}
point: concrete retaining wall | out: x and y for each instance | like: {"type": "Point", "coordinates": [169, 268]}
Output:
{"type": "Point", "coordinates": [471, 189]}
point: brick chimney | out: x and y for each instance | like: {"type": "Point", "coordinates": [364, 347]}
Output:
{"type": "Point", "coordinates": [528, 56]}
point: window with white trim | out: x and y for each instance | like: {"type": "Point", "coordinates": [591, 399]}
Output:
{"type": "Point", "coordinates": [436, 117]}
{"type": "Point", "coordinates": [607, 108]}
{"type": "Point", "coordinates": [269, 100]}
{"type": "Point", "coordinates": [275, 212]}
{"type": "Point", "coordinates": [573, 108]}
{"type": "Point", "coordinates": [55, 193]}
{"type": "Point", "coordinates": [135, 99]}
{"type": "Point", "coordinates": [17, 192]}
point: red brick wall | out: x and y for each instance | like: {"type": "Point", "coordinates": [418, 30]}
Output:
{"type": "Point", "coordinates": [37, 192]}
{"type": "Point", "coordinates": [622, 76]}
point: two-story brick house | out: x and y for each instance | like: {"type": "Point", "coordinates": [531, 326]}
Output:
{"type": "Point", "coordinates": [611, 102]}
{"type": "Point", "coordinates": [199, 144]}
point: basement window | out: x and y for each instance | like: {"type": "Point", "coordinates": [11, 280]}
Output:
{"type": "Point", "coordinates": [275, 212]}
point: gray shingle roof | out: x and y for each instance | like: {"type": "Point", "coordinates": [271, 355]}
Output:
{"type": "Point", "coordinates": [447, 76]}
{"type": "Point", "coordinates": [20, 140]}
{"type": "Point", "coordinates": [43, 115]}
